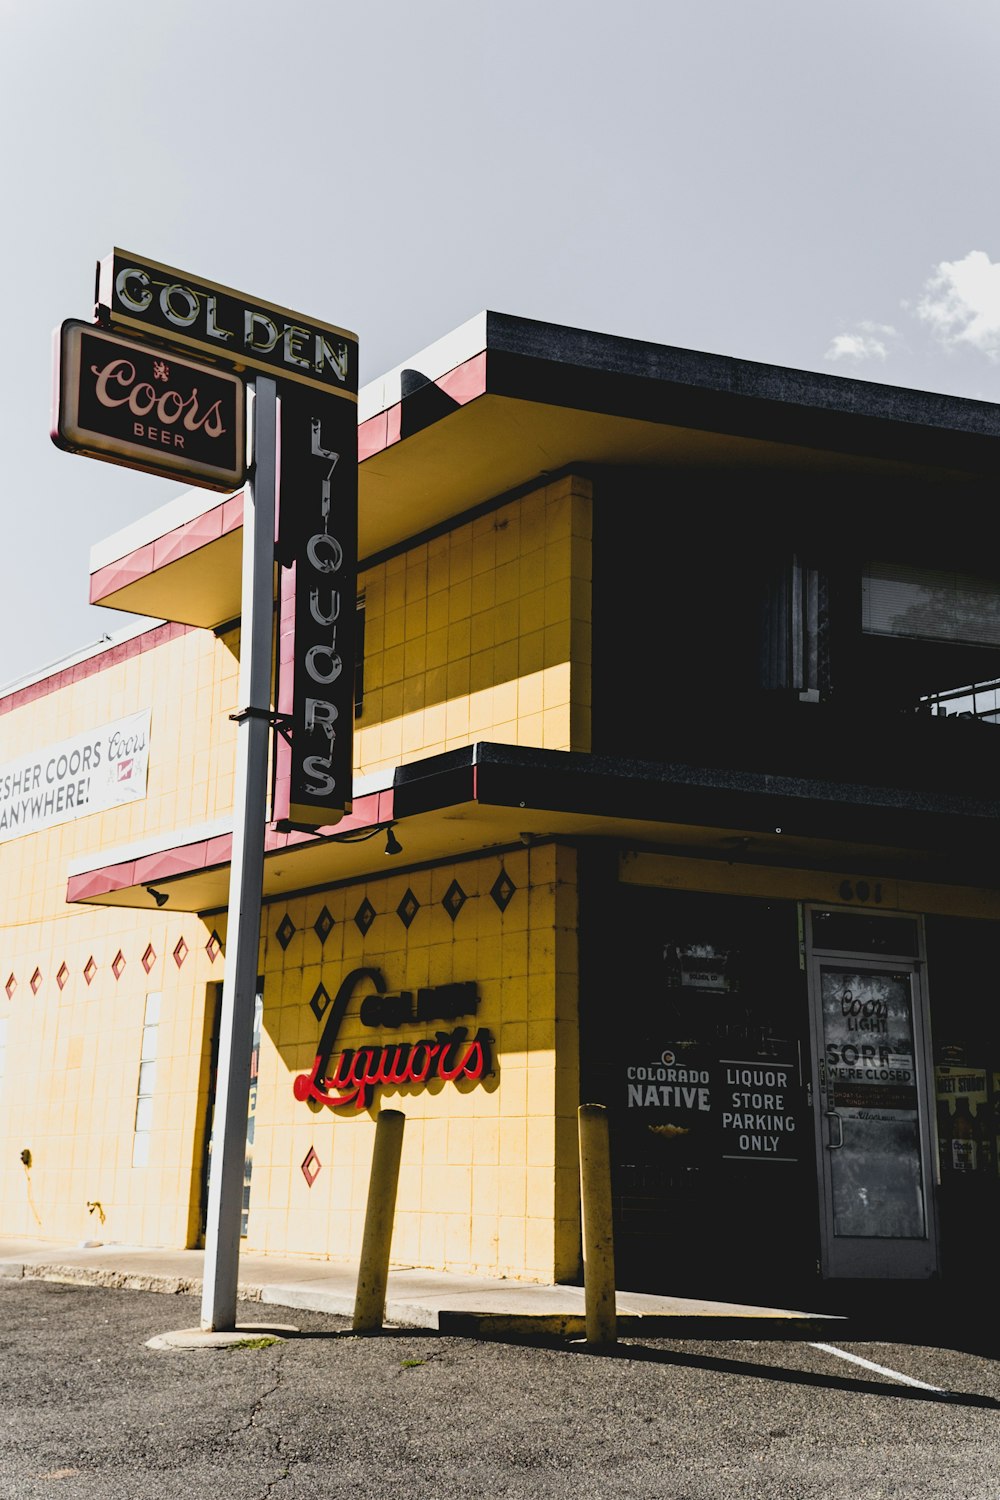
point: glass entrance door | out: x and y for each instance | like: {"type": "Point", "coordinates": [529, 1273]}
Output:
{"type": "Point", "coordinates": [874, 1148]}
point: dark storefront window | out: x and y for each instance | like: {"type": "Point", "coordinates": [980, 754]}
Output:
{"type": "Point", "coordinates": [696, 1046]}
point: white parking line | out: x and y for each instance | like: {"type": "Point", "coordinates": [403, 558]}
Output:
{"type": "Point", "coordinates": [867, 1364]}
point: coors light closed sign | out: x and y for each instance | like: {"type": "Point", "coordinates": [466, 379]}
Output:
{"type": "Point", "coordinates": [148, 408]}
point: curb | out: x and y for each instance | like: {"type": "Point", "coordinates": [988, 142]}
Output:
{"type": "Point", "coordinates": [453, 1323]}
{"type": "Point", "coordinates": [705, 1327]}
{"type": "Point", "coordinates": [337, 1304]}
{"type": "Point", "coordinates": [129, 1281]}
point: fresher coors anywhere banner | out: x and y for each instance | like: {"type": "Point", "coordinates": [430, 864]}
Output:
{"type": "Point", "coordinates": [318, 543]}
{"type": "Point", "coordinates": [148, 408]}
{"type": "Point", "coordinates": [93, 771]}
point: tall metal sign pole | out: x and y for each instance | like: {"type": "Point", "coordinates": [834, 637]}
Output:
{"type": "Point", "coordinates": [148, 404]}
{"type": "Point", "coordinates": [246, 872]}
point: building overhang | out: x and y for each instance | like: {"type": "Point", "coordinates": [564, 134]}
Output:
{"type": "Point", "coordinates": [504, 402]}
{"type": "Point", "coordinates": [489, 797]}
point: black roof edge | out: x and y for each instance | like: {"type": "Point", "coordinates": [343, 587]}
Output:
{"type": "Point", "coordinates": [657, 792]}
{"type": "Point", "coordinates": [548, 362]}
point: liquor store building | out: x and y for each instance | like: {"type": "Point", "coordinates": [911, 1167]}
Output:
{"type": "Point", "coordinates": [674, 790]}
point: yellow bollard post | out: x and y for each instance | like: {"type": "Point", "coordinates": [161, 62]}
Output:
{"type": "Point", "coordinates": [373, 1272]}
{"type": "Point", "coordinates": [598, 1231]}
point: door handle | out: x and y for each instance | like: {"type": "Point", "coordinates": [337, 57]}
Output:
{"type": "Point", "coordinates": [832, 1114]}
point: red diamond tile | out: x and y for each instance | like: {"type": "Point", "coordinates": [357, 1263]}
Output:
{"type": "Point", "coordinates": [118, 964]}
{"type": "Point", "coordinates": [89, 970]}
{"type": "Point", "coordinates": [149, 958]}
{"type": "Point", "coordinates": [36, 981]}
{"type": "Point", "coordinates": [180, 952]}
{"type": "Point", "coordinates": [311, 1166]}
{"type": "Point", "coordinates": [213, 947]}
{"type": "Point", "coordinates": [11, 985]}
{"type": "Point", "coordinates": [62, 976]}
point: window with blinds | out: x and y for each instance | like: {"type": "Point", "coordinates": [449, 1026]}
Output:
{"type": "Point", "coordinates": [930, 605]}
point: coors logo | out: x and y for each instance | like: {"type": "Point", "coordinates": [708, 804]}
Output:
{"type": "Point", "coordinates": [146, 408]}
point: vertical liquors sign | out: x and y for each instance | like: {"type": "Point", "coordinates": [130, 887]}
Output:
{"type": "Point", "coordinates": [318, 541]}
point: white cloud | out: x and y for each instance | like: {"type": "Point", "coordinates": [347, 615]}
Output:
{"type": "Point", "coordinates": [961, 303]}
{"type": "Point", "coordinates": [869, 342]}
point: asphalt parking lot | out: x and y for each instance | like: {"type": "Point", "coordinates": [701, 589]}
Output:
{"type": "Point", "coordinates": [88, 1412]}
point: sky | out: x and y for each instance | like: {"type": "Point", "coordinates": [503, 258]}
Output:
{"type": "Point", "coordinates": [778, 180]}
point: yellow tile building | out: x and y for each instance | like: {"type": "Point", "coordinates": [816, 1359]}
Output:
{"type": "Point", "coordinates": [650, 818]}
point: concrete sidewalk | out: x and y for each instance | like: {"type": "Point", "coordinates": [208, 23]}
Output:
{"type": "Point", "coordinates": [442, 1300]}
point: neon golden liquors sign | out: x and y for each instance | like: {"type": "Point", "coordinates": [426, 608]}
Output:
{"type": "Point", "coordinates": [147, 408]}
{"type": "Point", "coordinates": [315, 366]}
{"type": "Point", "coordinates": [134, 292]}
{"type": "Point", "coordinates": [351, 1078]}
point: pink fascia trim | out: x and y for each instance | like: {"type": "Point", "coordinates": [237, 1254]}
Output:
{"type": "Point", "coordinates": [118, 575]}
{"type": "Point", "coordinates": [175, 544]}
{"type": "Point", "coordinates": [463, 384]}
{"type": "Point", "coordinates": [100, 882]}
{"type": "Point", "coordinates": [180, 861]}
{"type": "Point", "coordinates": [211, 854]}
{"type": "Point", "coordinates": [466, 381]}
{"type": "Point", "coordinates": [158, 635]}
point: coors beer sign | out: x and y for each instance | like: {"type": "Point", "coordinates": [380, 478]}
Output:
{"type": "Point", "coordinates": [146, 408]}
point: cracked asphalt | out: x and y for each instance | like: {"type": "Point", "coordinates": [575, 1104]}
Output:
{"type": "Point", "coordinates": [87, 1412]}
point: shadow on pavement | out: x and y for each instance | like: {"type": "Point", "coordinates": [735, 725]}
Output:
{"type": "Point", "coordinates": [786, 1376]}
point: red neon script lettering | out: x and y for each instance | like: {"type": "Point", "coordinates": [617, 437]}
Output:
{"type": "Point", "coordinates": [358, 1073]}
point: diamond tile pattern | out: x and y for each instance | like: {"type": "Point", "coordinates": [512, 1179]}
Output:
{"type": "Point", "coordinates": [319, 1002]}
{"type": "Point", "coordinates": [454, 899]}
{"type": "Point", "coordinates": [180, 952]}
{"type": "Point", "coordinates": [213, 947]}
{"type": "Point", "coordinates": [36, 981]}
{"type": "Point", "coordinates": [89, 970]}
{"type": "Point", "coordinates": [502, 890]}
{"type": "Point", "coordinates": [118, 964]}
{"type": "Point", "coordinates": [62, 975]}
{"type": "Point", "coordinates": [11, 985]}
{"type": "Point", "coordinates": [407, 908]}
{"type": "Point", "coordinates": [323, 925]}
{"type": "Point", "coordinates": [285, 932]}
{"type": "Point", "coordinates": [149, 957]}
{"type": "Point", "coordinates": [311, 1166]}
{"type": "Point", "coordinates": [364, 916]}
